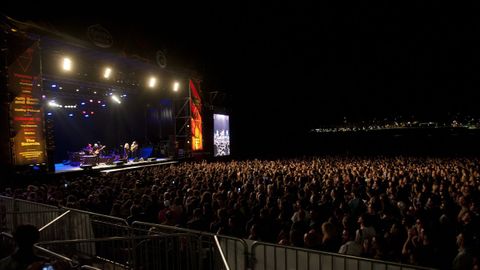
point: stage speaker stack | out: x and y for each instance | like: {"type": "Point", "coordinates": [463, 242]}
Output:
{"type": "Point", "coordinates": [86, 166]}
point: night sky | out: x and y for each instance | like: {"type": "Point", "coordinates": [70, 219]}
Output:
{"type": "Point", "coordinates": [291, 67]}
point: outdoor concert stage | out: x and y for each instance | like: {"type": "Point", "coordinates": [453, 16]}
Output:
{"type": "Point", "coordinates": [104, 168]}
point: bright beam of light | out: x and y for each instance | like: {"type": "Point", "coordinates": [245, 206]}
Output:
{"type": "Point", "coordinates": [152, 82]}
{"type": "Point", "coordinates": [107, 73]}
{"type": "Point", "coordinates": [176, 86]}
{"type": "Point", "coordinates": [116, 99]}
{"type": "Point", "coordinates": [67, 64]}
{"type": "Point", "coordinates": [52, 103]}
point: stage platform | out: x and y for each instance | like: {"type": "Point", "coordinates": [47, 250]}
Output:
{"type": "Point", "coordinates": [104, 168]}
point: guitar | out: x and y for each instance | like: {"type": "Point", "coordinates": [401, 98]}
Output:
{"type": "Point", "coordinates": [133, 147]}
{"type": "Point", "coordinates": [97, 151]}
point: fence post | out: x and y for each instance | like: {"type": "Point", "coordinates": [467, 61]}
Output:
{"type": "Point", "coordinates": [14, 214]}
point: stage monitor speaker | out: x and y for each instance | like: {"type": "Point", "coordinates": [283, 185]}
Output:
{"type": "Point", "coordinates": [152, 159]}
{"type": "Point", "coordinates": [135, 159]}
{"type": "Point", "coordinates": [86, 166]}
{"type": "Point", "coordinates": [119, 163]}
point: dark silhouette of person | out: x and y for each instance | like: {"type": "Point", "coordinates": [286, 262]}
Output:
{"type": "Point", "coordinates": [23, 257]}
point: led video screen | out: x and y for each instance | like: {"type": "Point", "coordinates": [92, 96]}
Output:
{"type": "Point", "coordinates": [221, 135]}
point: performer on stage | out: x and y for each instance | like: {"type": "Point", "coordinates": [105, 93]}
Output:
{"type": "Point", "coordinates": [88, 149]}
{"type": "Point", "coordinates": [97, 148]}
{"type": "Point", "coordinates": [134, 149]}
{"type": "Point", "coordinates": [126, 150]}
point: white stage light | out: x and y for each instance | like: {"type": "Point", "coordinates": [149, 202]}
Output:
{"type": "Point", "coordinates": [67, 64]}
{"type": "Point", "coordinates": [54, 104]}
{"type": "Point", "coordinates": [176, 86]}
{"type": "Point", "coordinates": [152, 82]}
{"type": "Point", "coordinates": [107, 73]}
{"type": "Point", "coordinates": [116, 99]}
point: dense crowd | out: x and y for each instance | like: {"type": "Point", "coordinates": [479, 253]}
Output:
{"type": "Point", "coordinates": [422, 211]}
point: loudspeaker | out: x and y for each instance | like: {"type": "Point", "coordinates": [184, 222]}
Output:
{"type": "Point", "coordinates": [86, 166]}
{"type": "Point", "coordinates": [152, 159]}
{"type": "Point", "coordinates": [135, 159]}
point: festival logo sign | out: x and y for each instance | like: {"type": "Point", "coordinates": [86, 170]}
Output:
{"type": "Point", "coordinates": [196, 117]}
{"type": "Point", "coordinates": [26, 112]}
{"type": "Point", "coordinates": [100, 36]}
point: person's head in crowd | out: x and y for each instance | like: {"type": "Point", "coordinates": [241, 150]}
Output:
{"type": "Point", "coordinates": [26, 236]}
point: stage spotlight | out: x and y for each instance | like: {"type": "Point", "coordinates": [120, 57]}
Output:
{"type": "Point", "coordinates": [67, 64]}
{"type": "Point", "coordinates": [53, 103]}
{"type": "Point", "coordinates": [116, 99]}
{"type": "Point", "coordinates": [152, 82]}
{"type": "Point", "coordinates": [176, 86]}
{"type": "Point", "coordinates": [70, 114]}
{"type": "Point", "coordinates": [107, 73]}
{"type": "Point", "coordinates": [49, 113]}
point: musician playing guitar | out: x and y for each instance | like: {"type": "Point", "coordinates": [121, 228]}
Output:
{"type": "Point", "coordinates": [134, 149]}
{"type": "Point", "coordinates": [97, 148]}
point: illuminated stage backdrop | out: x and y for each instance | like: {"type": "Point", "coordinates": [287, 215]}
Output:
{"type": "Point", "coordinates": [196, 117]}
{"type": "Point", "coordinates": [26, 112]}
{"type": "Point", "coordinates": [221, 135]}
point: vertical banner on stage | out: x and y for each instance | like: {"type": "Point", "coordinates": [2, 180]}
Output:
{"type": "Point", "coordinates": [26, 112]}
{"type": "Point", "coordinates": [221, 135]}
{"type": "Point", "coordinates": [196, 117]}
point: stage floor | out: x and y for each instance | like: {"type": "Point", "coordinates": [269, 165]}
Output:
{"type": "Point", "coordinates": [104, 168]}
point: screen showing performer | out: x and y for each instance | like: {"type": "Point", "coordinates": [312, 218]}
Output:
{"type": "Point", "coordinates": [221, 135]}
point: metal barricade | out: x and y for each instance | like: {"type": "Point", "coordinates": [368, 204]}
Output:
{"type": "Point", "coordinates": [204, 248]}
{"type": "Point", "coordinates": [14, 212]}
{"type": "Point", "coordinates": [271, 256]}
{"type": "Point", "coordinates": [109, 253]}
{"type": "Point", "coordinates": [221, 259]}
{"type": "Point", "coordinates": [95, 225]}
{"type": "Point", "coordinates": [139, 252]}
{"type": "Point", "coordinates": [7, 245]}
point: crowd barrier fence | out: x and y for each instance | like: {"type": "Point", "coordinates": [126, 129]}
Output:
{"type": "Point", "coordinates": [90, 238]}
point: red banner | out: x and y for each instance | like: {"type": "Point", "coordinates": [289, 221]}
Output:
{"type": "Point", "coordinates": [196, 117]}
